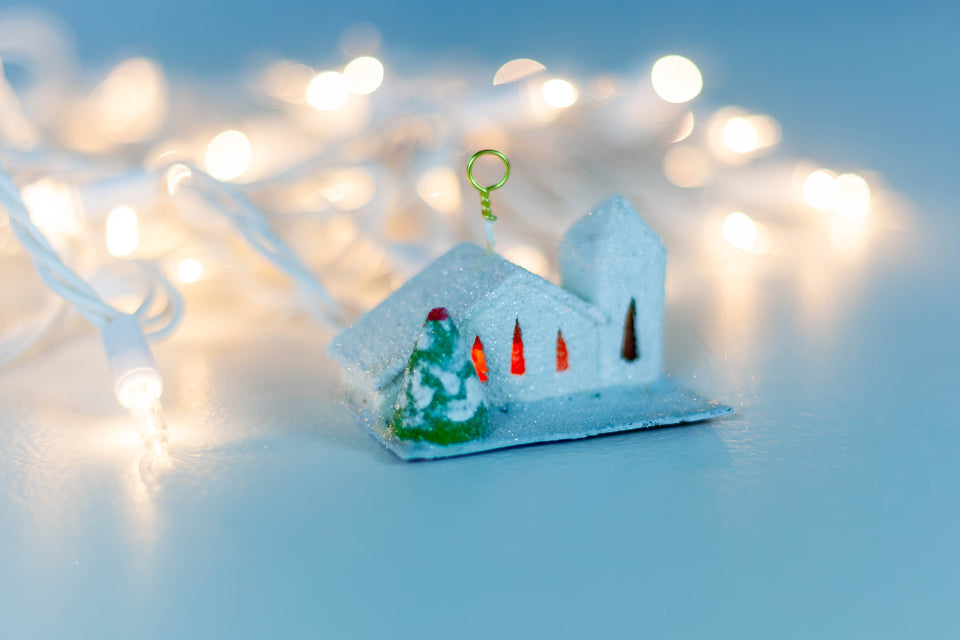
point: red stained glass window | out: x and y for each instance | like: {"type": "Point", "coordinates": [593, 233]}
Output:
{"type": "Point", "coordinates": [517, 365]}
{"type": "Point", "coordinates": [563, 362]}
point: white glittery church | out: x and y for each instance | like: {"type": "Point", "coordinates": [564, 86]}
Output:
{"type": "Point", "coordinates": [530, 339]}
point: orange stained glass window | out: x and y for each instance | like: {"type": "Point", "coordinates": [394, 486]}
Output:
{"type": "Point", "coordinates": [479, 360]}
{"type": "Point", "coordinates": [563, 362]}
{"type": "Point", "coordinates": [517, 365]}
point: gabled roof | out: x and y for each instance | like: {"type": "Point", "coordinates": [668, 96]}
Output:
{"type": "Point", "coordinates": [379, 344]}
{"type": "Point", "coordinates": [612, 219]}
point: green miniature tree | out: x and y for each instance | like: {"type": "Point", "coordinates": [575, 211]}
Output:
{"type": "Point", "coordinates": [441, 399]}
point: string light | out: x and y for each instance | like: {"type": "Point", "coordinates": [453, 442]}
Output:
{"type": "Point", "coordinates": [336, 176]}
{"type": "Point", "coordinates": [137, 382]}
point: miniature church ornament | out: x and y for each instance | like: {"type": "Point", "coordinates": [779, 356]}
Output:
{"type": "Point", "coordinates": [506, 358]}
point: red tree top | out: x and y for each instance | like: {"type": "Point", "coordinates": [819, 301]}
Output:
{"type": "Point", "coordinates": [440, 313]}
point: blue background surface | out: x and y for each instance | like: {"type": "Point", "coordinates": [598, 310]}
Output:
{"type": "Point", "coordinates": [825, 507]}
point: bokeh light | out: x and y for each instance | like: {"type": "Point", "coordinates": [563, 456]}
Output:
{"type": "Point", "coordinates": [676, 79]}
{"type": "Point", "coordinates": [176, 174]}
{"type": "Point", "coordinates": [687, 166]}
{"type": "Point", "coordinates": [603, 87]}
{"type": "Point", "coordinates": [228, 155]}
{"type": "Point", "coordinates": [123, 233]}
{"type": "Point", "coordinates": [361, 39]}
{"type": "Point", "coordinates": [189, 270]}
{"type": "Point", "coordinates": [740, 230]}
{"type": "Point", "coordinates": [364, 75]}
{"type": "Point", "coordinates": [54, 208]}
{"type": "Point", "coordinates": [740, 135]}
{"type": "Point", "coordinates": [685, 128]}
{"type": "Point", "coordinates": [328, 91]}
{"type": "Point", "coordinates": [529, 257]}
{"type": "Point", "coordinates": [767, 129]}
{"type": "Point", "coordinates": [819, 189]}
{"type": "Point", "coordinates": [440, 188]}
{"type": "Point", "coordinates": [131, 103]}
{"type": "Point", "coordinates": [560, 93]}
{"type": "Point", "coordinates": [287, 80]}
{"type": "Point", "coordinates": [348, 189]}
{"type": "Point", "coordinates": [852, 196]}
{"type": "Point", "coordinates": [517, 70]}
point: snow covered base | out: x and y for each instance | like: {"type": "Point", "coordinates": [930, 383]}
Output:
{"type": "Point", "coordinates": [567, 418]}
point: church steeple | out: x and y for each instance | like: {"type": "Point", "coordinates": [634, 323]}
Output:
{"type": "Point", "coordinates": [614, 260]}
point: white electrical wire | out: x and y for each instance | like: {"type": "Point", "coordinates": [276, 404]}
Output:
{"type": "Point", "coordinates": [66, 283]}
{"type": "Point", "coordinates": [24, 337]}
{"type": "Point", "coordinates": [250, 222]}
{"type": "Point", "coordinates": [137, 381]}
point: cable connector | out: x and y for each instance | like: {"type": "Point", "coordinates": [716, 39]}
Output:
{"type": "Point", "coordinates": [137, 383]}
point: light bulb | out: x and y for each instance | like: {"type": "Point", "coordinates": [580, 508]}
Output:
{"type": "Point", "coordinates": [136, 380]}
{"type": "Point", "coordinates": [143, 399]}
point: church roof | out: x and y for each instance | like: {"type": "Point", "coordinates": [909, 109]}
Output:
{"type": "Point", "coordinates": [379, 344]}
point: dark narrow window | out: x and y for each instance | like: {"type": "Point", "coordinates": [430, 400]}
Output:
{"type": "Point", "coordinates": [630, 350]}
{"type": "Point", "coordinates": [479, 360]}
{"type": "Point", "coordinates": [563, 362]}
{"type": "Point", "coordinates": [517, 365]}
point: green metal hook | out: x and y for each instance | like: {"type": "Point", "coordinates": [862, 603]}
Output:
{"type": "Point", "coordinates": [485, 191]}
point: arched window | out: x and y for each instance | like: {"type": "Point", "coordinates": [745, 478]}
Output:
{"type": "Point", "coordinates": [631, 346]}
{"type": "Point", "coordinates": [517, 365]}
{"type": "Point", "coordinates": [479, 360]}
{"type": "Point", "coordinates": [563, 362]}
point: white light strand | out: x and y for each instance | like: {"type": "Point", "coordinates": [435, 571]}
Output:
{"type": "Point", "coordinates": [131, 362]}
{"type": "Point", "coordinates": [250, 222]}
{"type": "Point", "coordinates": [374, 193]}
